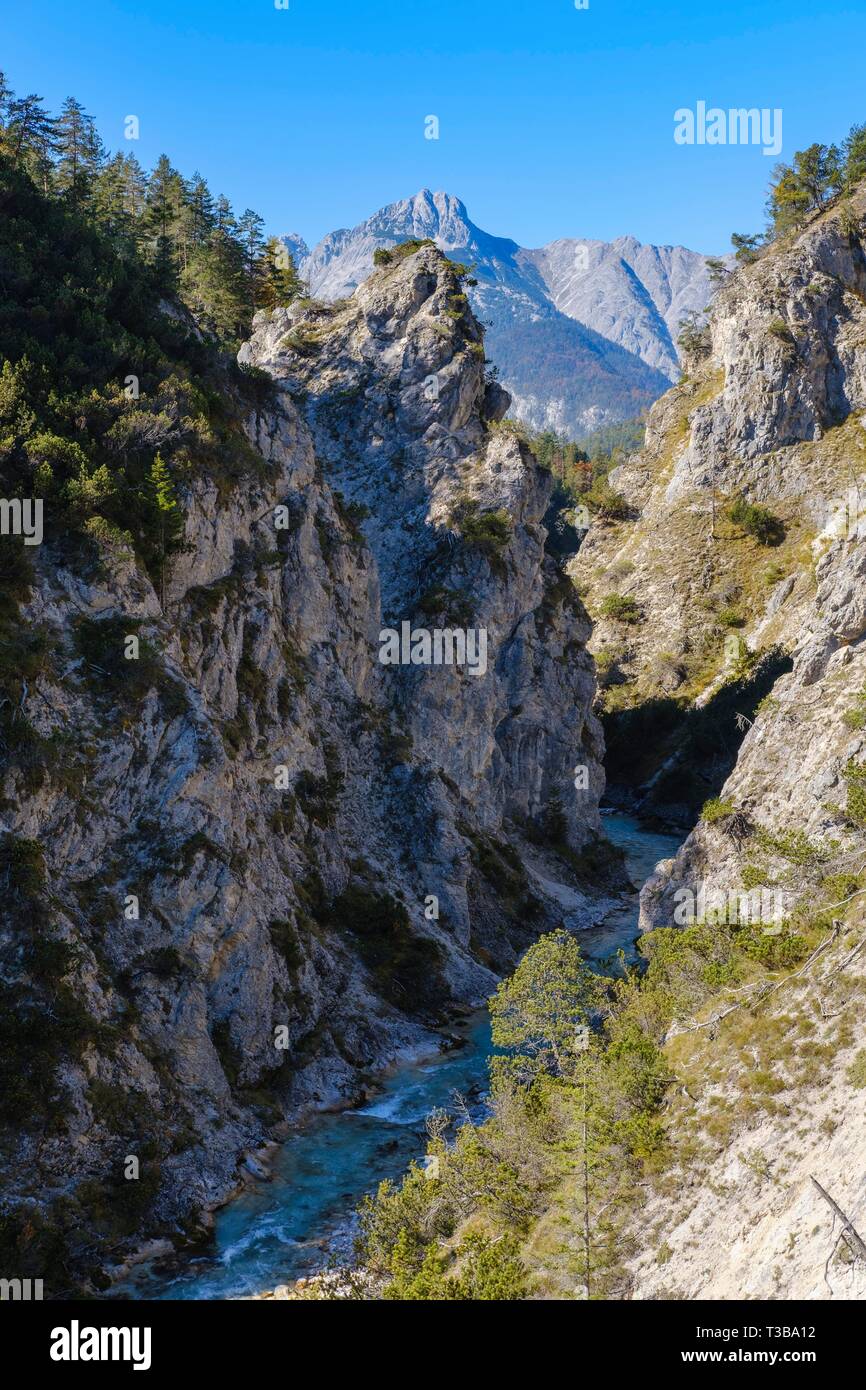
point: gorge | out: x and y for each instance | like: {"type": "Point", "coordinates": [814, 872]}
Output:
{"type": "Point", "coordinates": [249, 869]}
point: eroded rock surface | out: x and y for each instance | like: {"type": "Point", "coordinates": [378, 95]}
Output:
{"type": "Point", "coordinates": [247, 872]}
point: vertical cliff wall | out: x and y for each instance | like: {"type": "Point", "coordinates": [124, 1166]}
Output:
{"type": "Point", "coordinates": [271, 861]}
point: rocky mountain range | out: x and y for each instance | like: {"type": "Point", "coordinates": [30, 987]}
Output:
{"type": "Point", "coordinates": [583, 332]}
{"type": "Point", "coordinates": [258, 841]}
{"type": "Point", "coordinates": [308, 858]}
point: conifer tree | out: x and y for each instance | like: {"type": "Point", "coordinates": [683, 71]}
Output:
{"type": "Point", "coordinates": [214, 286]}
{"type": "Point", "coordinates": [80, 153]}
{"type": "Point", "coordinates": [277, 280]}
{"type": "Point", "coordinates": [804, 186]}
{"type": "Point", "coordinates": [201, 206]}
{"type": "Point", "coordinates": [109, 197]}
{"type": "Point", "coordinates": [168, 515]}
{"type": "Point", "coordinates": [161, 221]}
{"type": "Point", "coordinates": [250, 233]}
{"type": "Point", "coordinates": [855, 156]}
{"type": "Point", "coordinates": [30, 137]}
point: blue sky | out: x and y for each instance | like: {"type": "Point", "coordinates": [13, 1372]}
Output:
{"type": "Point", "coordinates": [553, 121]}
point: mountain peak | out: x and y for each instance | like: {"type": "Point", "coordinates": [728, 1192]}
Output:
{"type": "Point", "coordinates": [574, 305]}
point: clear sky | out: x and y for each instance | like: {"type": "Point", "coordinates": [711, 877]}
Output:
{"type": "Point", "coordinates": [553, 121]}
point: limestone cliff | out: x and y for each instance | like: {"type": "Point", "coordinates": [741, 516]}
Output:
{"type": "Point", "coordinates": [288, 861]}
{"type": "Point", "coordinates": [701, 606]}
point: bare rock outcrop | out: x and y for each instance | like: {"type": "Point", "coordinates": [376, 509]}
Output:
{"type": "Point", "coordinates": [288, 861]}
{"type": "Point", "coordinates": [772, 412]}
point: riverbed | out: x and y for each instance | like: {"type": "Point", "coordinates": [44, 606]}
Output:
{"type": "Point", "coordinates": [292, 1225]}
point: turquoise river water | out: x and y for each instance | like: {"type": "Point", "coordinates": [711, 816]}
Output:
{"type": "Point", "coordinates": [282, 1229]}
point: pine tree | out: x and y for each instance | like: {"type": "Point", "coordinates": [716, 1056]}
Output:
{"type": "Point", "coordinates": [214, 287]}
{"type": "Point", "coordinates": [746, 247]}
{"type": "Point", "coordinates": [250, 233]}
{"type": "Point", "coordinates": [594, 1162]}
{"type": "Point", "coordinates": [6, 95]}
{"type": "Point", "coordinates": [805, 186]}
{"type": "Point", "coordinates": [539, 1010]}
{"type": "Point", "coordinates": [80, 153]}
{"type": "Point", "coordinates": [201, 206]}
{"type": "Point", "coordinates": [224, 218]}
{"type": "Point", "coordinates": [30, 137]}
{"type": "Point", "coordinates": [818, 170]}
{"type": "Point", "coordinates": [168, 514]}
{"type": "Point", "coordinates": [277, 280]}
{"type": "Point", "coordinates": [135, 189]}
{"type": "Point", "coordinates": [855, 156]}
{"type": "Point", "coordinates": [161, 221]}
{"type": "Point", "coordinates": [109, 197]}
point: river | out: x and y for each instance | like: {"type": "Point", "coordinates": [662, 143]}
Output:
{"type": "Point", "coordinates": [280, 1230]}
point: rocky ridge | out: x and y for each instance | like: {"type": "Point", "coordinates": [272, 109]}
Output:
{"type": "Point", "coordinates": [772, 409]}
{"type": "Point", "coordinates": [246, 876]}
{"type": "Point", "coordinates": [584, 332]}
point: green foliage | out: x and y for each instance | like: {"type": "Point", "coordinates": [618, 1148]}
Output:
{"type": "Point", "coordinates": [405, 966]}
{"type": "Point", "coordinates": [383, 256]}
{"type": "Point", "coordinates": [731, 617]}
{"type": "Point", "coordinates": [575, 1118]}
{"type": "Point", "coordinates": [621, 607]}
{"type": "Point", "coordinates": [454, 605]}
{"type": "Point", "coordinates": [489, 532]}
{"type": "Point", "coordinates": [746, 247]}
{"type": "Point", "coordinates": [855, 781]}
{"type": "Point", "coordinates": [318, 796]}
{"type": "Point", "coordinates": [757, 521]}
{"type": "Point", "coordinates": [855, 156]}
{"type": "Point", "coordinates": [278, 283]}
{"type": "Point", "coordinates": [792, 845]}
{"type": "Point", "coordinates": [605, 502]}
{"type": "Point", "coordinates": [805, 186]}
{"type": "Point", "coordinates": [120, 681]}
{"type": "Point", "coordinates": [779, 329]}
{"type": "Point", "coordinates": [580, 473]}
{"type": "Point", "coordinates": [43, 1021]}
{"type": "Point", "coordinates": [694, 336]}
{"type": "Point", "coordinates": [194, 245]}
{"type": "Point", "coordinates": [98, 382]}
{"type": "Point", "coordinates": [22, 867]}
{"type": "Point", "coordinates": [488, 1271]}
{"type": "Point", "coordinates": [615, 443]}
{"type": "Point", "coordinates": [800, 189]}
{"type": "Point", "coordinates": [856, 1072]}
{"type": "Point", "coordinates": [537, 1011]}
{"type": "Point", "coordinates": [716, 810]}
{"type": "Point", "coordinates": [855, 716]}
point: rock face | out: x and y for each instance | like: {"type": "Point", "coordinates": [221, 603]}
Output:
{"type": "Point", "coordinates": [291, 860]}
{"type": "Point", "coordinates": [582, 331]}
{"type": "Point", "coordinates": [635, 295]}
{"type": "Point", "coordinates": [773, 408]}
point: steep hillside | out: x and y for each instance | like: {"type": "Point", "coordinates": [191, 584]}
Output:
{"type": "Point", "coordinates": [701, 1137]}
{"type": "Point", "coordinates": [582, 332]}
{"type": "Point", "coordinates": [244, 863]}
{"type": "Point", "coordinates": [731, 611]}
